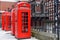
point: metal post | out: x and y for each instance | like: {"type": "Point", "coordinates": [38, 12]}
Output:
{"type": "Point", "coordinates": [56, 18]}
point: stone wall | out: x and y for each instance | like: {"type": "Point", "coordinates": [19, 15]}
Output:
{"type": "Point", "coordinates": [43, 35]}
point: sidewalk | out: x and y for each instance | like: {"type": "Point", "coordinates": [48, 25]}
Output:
{"type": "Point", "coordinates": [7, 36]}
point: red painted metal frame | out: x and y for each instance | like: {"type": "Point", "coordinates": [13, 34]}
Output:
{"type": "Point", "coordinates": [6, 21]}
{"type": "Point", "coordinates": [3, 20]}
{"type": "Point", "coordinates": [13, 22]}
{"type": "Point", "coordinates": [23, 7]}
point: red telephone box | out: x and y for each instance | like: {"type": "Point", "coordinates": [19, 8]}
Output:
{"type": "Point", "coordinates": [3, 20]}
{"type": "Point", "coordinates": [22, 26]}
{"type": "Point", "coordinates": [7, 21]}
{"type": "Point", "coordinates": [13, 22]}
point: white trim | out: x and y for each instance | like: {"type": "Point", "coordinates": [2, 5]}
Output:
{"type": "Point", "coordinates": [8, 1]}
{"type": "Point", "coordinates": [2, 11]}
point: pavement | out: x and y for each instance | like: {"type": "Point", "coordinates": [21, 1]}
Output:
{"type": "Point", "coordinates": [7, 36]}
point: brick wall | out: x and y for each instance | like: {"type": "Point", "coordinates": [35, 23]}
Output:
{"type": "Point", "coordinates": [6, 5]}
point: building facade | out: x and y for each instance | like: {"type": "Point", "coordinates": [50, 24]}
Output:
{"type": "Point", "coordinates": [43, 15]}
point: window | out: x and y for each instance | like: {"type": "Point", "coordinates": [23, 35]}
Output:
{"type": "Point", "coordinates": [24, 21]}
